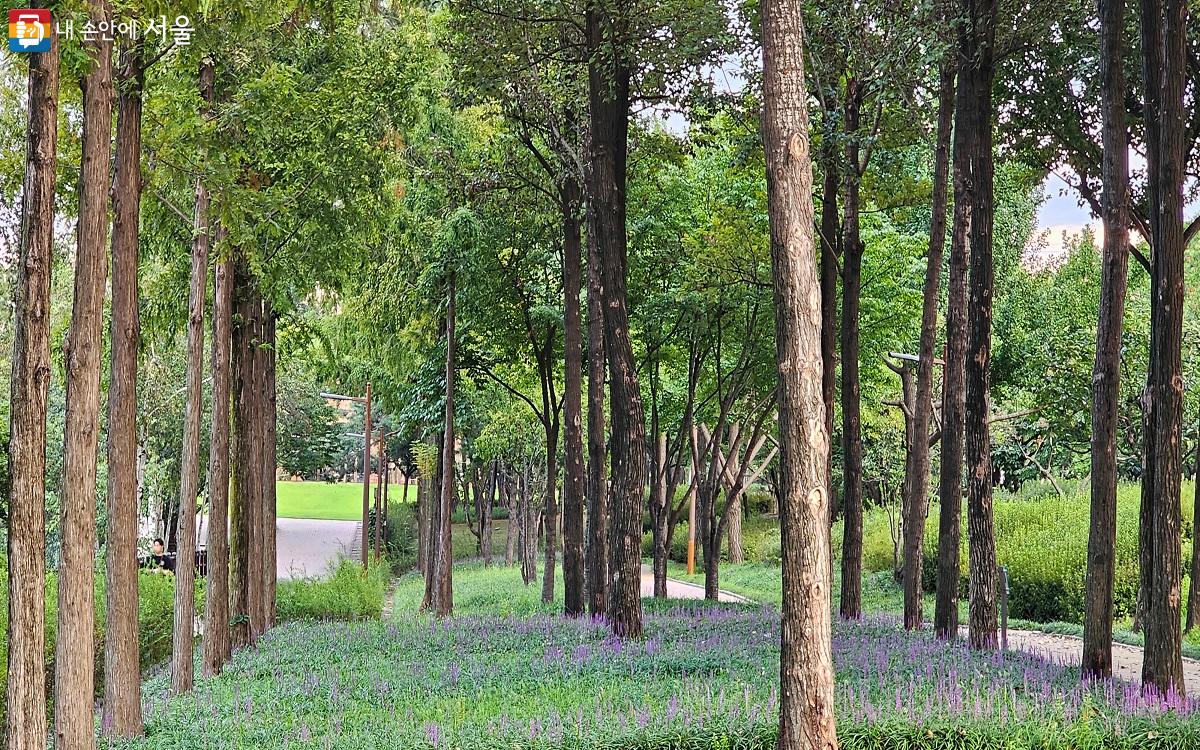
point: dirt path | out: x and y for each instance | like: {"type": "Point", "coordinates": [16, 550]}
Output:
{"type": "Point", "coordinates": [1127, 660]}
{"type": "Point", "coordinates": [681, 589]}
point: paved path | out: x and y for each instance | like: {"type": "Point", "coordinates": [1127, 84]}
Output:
{"type": "Point", "coordinates": [677, 589]}
{"type": "Point", "coordinates": [1127, 660]}
{"type": "Point", "coordinates": [306, 547]}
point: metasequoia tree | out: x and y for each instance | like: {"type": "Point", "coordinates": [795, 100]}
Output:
{"type": "Point", "coordinates": [217, 645]}
{"type": "Point", "coordinates": [974, 106]}
{"type": "Point", "coordinates": [1106, 372]}
{"type": "Point", "coordinates": [122, 715]}
{"type": "Point", "coordinates": [806, 718]}
{"type": "Point", "coordinates": [916, 466]}
{"type": "Point", "coordinates": [1164, 59]}
{"type": "Point", "coordinates": [74, 663]}
{"type": "Point", "coordinates": [25, 718]}
{"type": "Point", "coordinates": [183, 640]}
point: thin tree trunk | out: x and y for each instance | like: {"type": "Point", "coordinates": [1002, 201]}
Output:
{"type": "Point", "coordinates": [433, 524]}
{"type": "Point", "coordinates": [1106, 371]}
{"type": "Point", "coordinates": [443, 599]}
{"type": "Point", "coordinates": [74, 662]}
{"type": "Point", "coordinates": [551, 511]}
{"type": "Point", "coordinates": [511, 502]}
{"type": "Point", "coordinates": [485, 516]}
{"type": "Point", "coordinates": [573, 470]}
{"type": "Point", "coordinates": [975, 99]}
{"type": "Point", "coordinates": [216, 604]}
{"type": "Point", "coordinates": [122, 715]}
{"type": "Point", "coordinates": [806, 718]}
{"type": "Point", "coordinates": [256, 411]}
{"type": "Point", "coordinates": [608, 92]}
{"type": "Point", "coordinates": [830, 238]}
{"type": "Point", "coordinates": [269, 548]}
{"type": "Point", "coordinates": [1164, 46]}
{"type": "Point", "coordinates": [597, 484]}
{"type": "Point", "coordinates": [660, 510]}
{"type": "Point", "coordinates": [183, 640]}
{"type": "Point", "coordinates": [528, 531]}
{"type": "Point", "coordinates": [954, 390]}
{"type": "Point", "coordinates": [25, 716]}
{"type": "Point", "coordinates": [917, 477]}
{"type": "Point", "coordinates": [852, 255]}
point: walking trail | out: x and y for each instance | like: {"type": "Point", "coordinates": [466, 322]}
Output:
{"type": "Point", "coordinates": [677, 589]}
{"type": "Point", "coordinates": [305, 547]}
{"type": "Point", "coordinates": [1066, 649]}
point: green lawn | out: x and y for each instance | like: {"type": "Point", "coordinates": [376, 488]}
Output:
{"type": "Point", "coordinates": [341, 501]}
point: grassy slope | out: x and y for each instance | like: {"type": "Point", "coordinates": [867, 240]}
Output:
{"type": "Point", "coordinates": [340, 501]}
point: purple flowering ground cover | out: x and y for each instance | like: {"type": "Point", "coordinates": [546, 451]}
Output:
{"type": "Point", "coordinates": [705, 676]}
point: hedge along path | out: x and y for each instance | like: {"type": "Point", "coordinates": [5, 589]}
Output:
{"type": "Point", "coordinates": [1068, 649]}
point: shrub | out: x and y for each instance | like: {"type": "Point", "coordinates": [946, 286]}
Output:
{"type": "Point", "coordinates": [345, 594]}
{"type": "Point", "coordinates": [156, 613]}
{"type": "Point", "coordinates": [1044, 545]}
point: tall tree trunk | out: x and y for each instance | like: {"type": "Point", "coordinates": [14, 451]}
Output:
{"type": "Point", "coordinates": [597, 484]}
{"type": "Point", "coordinates": [443, 599]}
{"type": "Point", "coordinates": [551, 509]}
{"type": "Point", "coordinates": [122, 715]}
{"type": "Point", "coordinates": [74, 662]}
{"type": "Point", "coordinates": [573, 471]}
{"type": "Point", "coordinates": [830, 239]}
{"type": "Point", "coordinates": [25, 716]}
{"type": "Point", "coordinates": [244, 484]}
{"type": "Point", "coordinates": [216, 603]}
{"type": "Point", "coordinates": [852, 256]}
{"type": "Point", "coordinates": [183, 640]}
{"type": "Point", "coordinates": [975, 98]}
{"type": "Point", "coordinates": [269, 550]}
{"type": "Point", "coordinates": [916, 489]}
{"type": "Point", "coordinates": [945, 616]}
{"type": "Point", "coordinates": [608, 94]}
{"type": "Point", "coordinates": [257, 409]}
{"type": "Point", "coordinates": [806, 718]}
{"type": "Point", "coordinates": [1106, 371]}
{"type": "Point", "coordinates": [1164, 47]}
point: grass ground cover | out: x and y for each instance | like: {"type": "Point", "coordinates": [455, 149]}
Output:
{"type": "Point", "coordinates": [505, 672]}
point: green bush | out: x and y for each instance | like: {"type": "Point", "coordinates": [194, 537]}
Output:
{"type": "Point", "coordinates": [345, 594]}
{"type": "Point", "coordinates": [156, 613]}
{"type": "Point", "coordinates": [1044, 545]}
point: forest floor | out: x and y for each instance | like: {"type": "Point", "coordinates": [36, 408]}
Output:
{"type": "Point", "coordinates": [761, 583]}
{"type": "Point", "coordinates": [507, 670]}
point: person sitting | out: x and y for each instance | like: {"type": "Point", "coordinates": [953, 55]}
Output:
{"type": "Point", "coordinates": [159, 559]}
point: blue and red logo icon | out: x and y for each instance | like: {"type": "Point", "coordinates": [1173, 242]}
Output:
{"type": "Point", "coordinates": [29, 30]}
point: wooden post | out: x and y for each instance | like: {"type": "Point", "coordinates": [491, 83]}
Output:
{"type": "Point", "coordinates": [366, 509]}
{"type": "Point", "coordinates": [379, 494]}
